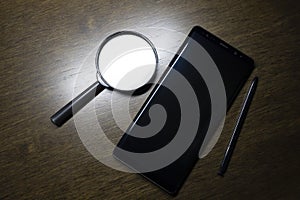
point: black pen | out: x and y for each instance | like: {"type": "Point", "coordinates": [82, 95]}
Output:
{"type": "Point", "coordinates": [238, 127]}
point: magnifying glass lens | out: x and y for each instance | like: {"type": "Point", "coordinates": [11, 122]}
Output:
{"type": "Point", "coordinates": [127, 62]}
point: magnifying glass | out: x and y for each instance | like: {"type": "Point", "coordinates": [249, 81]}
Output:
{"type": "Point", "coordinates": [125, 61]}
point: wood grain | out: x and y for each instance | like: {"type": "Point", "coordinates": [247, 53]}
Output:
{"type": "Point", "coordinates": [43, 47]}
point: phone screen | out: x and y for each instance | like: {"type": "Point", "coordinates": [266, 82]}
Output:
{"type": "Point", "coordinates": [234, 67]}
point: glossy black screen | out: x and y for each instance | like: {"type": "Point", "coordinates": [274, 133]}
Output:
{"type": "Point", "coordinates": [235, 68]}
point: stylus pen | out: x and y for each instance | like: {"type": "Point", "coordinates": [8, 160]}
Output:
{"type": "Point", "coordinates": [238, 127]}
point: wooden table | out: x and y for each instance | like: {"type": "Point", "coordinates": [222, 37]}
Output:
{"type": "Point", "coordinates": [44, 46]}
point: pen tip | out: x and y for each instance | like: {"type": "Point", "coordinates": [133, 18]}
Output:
{"type": "Point", "coordinates": [221, 174]}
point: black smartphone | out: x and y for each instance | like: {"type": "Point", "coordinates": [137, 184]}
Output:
{"type": "Point", "coordinates": [235, 68]}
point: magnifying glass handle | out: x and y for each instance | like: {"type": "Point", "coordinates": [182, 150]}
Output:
{"type": "Point", "coordinates": [67, 112]}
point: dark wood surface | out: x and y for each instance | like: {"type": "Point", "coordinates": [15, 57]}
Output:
{"type": "Point", "coordinates": [43, 45]}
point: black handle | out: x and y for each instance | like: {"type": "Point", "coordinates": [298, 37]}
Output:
{"type": "Point", "coordinates": [67, 112]}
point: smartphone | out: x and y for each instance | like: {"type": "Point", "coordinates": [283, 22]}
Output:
{"type": "Point", "coordinates": [235, 68]}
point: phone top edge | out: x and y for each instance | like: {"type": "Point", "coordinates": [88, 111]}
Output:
{"type": "Point", "coordinates": [222, 43]}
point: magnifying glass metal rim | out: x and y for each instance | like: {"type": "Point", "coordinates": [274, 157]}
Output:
{"type": "Point", "coordinates": [99, 76]}
{"type": "Point", "coordinates": [71, 108]}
